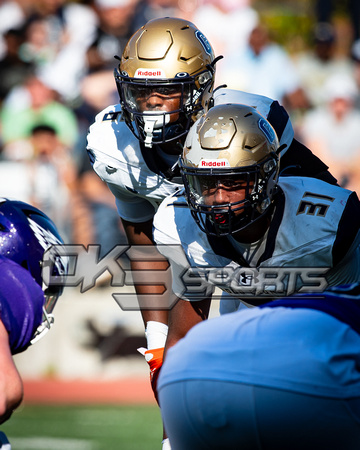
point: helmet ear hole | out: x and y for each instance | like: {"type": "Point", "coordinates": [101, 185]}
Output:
{"type": "Point", "coordinates": [25, 265]}
{"type": "Point", "coordinates": [211, 103]}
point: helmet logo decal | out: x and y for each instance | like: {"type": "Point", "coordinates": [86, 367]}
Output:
{"type": "Point", "coordinates": [45, 237]}
{"type": "Point", "coordinates": [149, 73]}
{"type": "Point", "coordinates": [204, 42]}
{"type": "Point", "coordinates": [267, 130]}
{"type": "Point", "coordinates": [221, 162]}
{"type": "Point", "coordinates": [182, 75]}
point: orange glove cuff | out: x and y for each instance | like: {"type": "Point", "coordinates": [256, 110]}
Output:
{"type": "Point", "coordinates": [154, 358]}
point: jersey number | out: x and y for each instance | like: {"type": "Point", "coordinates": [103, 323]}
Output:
{"type": "Point", "coordinates": [311, 208]}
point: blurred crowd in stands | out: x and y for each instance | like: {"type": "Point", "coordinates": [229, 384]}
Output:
{"type": "Point", "coordinates": [56, 74]}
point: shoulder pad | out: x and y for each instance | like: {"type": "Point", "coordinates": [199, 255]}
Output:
{"type": "Point", "coordinates": [111, 113]}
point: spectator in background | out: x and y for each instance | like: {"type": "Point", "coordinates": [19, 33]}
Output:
{"type": "Point", "coordinates": [13, 70]}
{"type": "Point", "coordinates": [99, 221]}
{"type": "Point", "coordinates": [227, 24]}
{"type": "Point", "coordinates": [63, 30]}
{"type": "Point", "coordinates": [112, 33]}
{"type": "Point", "coordinates": [13, 15]}
{"type": "Point", "coordinates": [332, 130]}
{"type": "Point", "coordinates": [154, 9]}
{"type": "Point", "coordinates": [97, 91]}
{"type": "Point", "coordinates": [355, 56]}
{"type": "Point", "coordinates": [40, 170]}
{"type": "Point", "coordinates": [264, 68]}
{"type": "Point", "coordinates": [97, 88]}
{"type": "Point", "coordinates": [38, 47]}
{"type": "Point", "coordinates": [324, 12]}
{"type": "Point", "coordinates": [317, 64]}
{"type": "Point", "coordinates": [35, 103]}
{"type": "Point", "coordinates": [58, 32]}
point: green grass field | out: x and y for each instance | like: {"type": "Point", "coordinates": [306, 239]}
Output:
{"type": "Point", "coordinates": [85, 428]}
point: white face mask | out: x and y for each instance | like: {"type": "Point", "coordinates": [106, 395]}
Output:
{"type": "Point", "coordinates": [151, 122]}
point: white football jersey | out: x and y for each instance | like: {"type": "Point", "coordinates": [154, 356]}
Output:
{"type": "Point", "coordinates": [137, 185]}
{"type": "Point", "coordinates": [116, 157]}
{"type": "Point", "coordinates": [313, 241]}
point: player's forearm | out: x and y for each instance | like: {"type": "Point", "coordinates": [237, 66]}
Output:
{"type": "Point", "coordinates": [154, 316]}
{"type": "Point", "coordinates": [183, 316]}
{"type": "Point", "coordinates": [154, 299]}
{"type": "Point", "coordinates": [144, 260]}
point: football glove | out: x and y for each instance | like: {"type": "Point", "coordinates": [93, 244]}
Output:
{"type": "Point", "coordinates": [154, 358]}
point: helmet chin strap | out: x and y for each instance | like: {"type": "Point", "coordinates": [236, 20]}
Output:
{"type": "Point", "coordinates": [152, 121]}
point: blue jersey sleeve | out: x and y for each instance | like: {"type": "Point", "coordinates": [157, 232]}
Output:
{"type": "Point", "coordinates": [341, 303]}
{"type": "Point", "coordinates": [21, 302]}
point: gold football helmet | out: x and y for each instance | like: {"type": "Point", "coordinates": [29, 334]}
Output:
{"type": "Point", "coordinates": [233, 147]}
{"type": "Point", "coordinates": [168, 56]}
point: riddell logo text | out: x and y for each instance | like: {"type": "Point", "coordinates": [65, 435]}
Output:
{"type": "Point", "coordinates": [213, 163]}
{"type": "Point", "coordinates": [149, 73]}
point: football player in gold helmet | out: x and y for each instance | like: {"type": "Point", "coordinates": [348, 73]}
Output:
{"type": "Point", "coordinates": [165, 79]}
{"type": "Point", "coordinates": [230, 175]}
{"type": "Point", "coordinates": [259, 236]}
